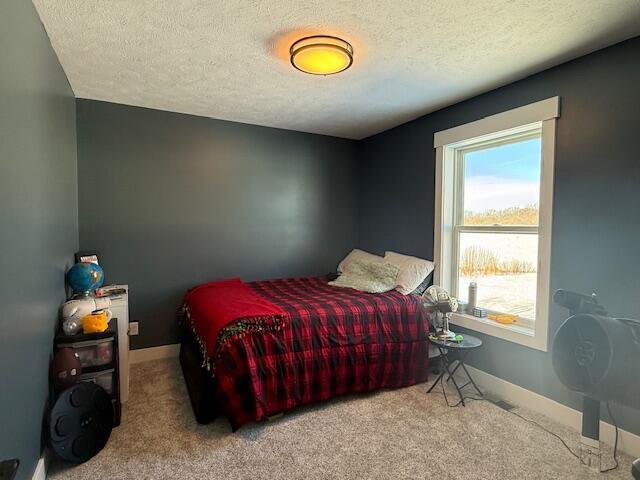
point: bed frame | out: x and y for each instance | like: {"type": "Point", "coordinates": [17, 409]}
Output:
{"type": "Point", "coordinates": [200, 384]}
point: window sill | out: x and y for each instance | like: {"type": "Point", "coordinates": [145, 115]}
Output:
{"type": "Point", "coordinates": [512, 333]}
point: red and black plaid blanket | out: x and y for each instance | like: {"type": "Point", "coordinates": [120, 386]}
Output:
{"type": "Point", "coordinates": [333, 341]}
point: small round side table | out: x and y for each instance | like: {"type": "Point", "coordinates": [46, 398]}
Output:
{"type": "Point", "coordinates": [460, 350]}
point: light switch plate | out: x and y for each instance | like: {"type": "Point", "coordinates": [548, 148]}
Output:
{"type": "Point", "coordinates": [133, 328]}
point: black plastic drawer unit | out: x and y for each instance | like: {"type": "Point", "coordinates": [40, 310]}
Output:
{"type": "Point", "coordinates": [104, 378]}
{"type": "Point", "coordinates": [92, 353]}
{"type": "Point", "coordinates": [98, 354]}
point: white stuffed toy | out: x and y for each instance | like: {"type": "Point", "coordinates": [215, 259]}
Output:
{"type": "Point", "coordinates": [73, 311]}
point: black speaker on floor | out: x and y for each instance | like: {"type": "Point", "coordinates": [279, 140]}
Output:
{"type": "Point", "coordinates": [80, 422]}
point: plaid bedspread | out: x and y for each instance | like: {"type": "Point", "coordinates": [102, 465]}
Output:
{"type": "Point", "coordinates": [333, 341]}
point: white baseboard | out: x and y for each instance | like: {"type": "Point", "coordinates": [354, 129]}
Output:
{"type": "Point", "coordinates": [40, 473]}
{"type": "Point", "coordinates": [628, 442]}
{"type": "Point", "coordinates": [153, 353]}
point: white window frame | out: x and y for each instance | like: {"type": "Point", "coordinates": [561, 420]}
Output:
{"type": "Point", "coordinates": [542, 115]}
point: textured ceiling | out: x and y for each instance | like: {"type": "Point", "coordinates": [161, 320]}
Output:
{"type": "Point", "coordinates": [229, 59]}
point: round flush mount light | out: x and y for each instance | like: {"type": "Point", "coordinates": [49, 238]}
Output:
{"type": "Point", "coordinates": [321, 55]}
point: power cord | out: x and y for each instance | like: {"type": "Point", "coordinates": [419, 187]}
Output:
{"type": "Point", "coordinates": [533, 422]}
{"type": "Point", "coordinates": [615, 445]}
{"type": "Point", "coordinates": [553, 434]}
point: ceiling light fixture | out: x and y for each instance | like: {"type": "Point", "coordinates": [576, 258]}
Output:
{"type": "Point", "coordinates": [321, 55]}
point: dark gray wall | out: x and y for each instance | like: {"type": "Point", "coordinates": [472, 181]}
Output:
{"type": "Point", "coordinates": [171, 200]}
{"type": "Point", "coordinates": [38, 221]}
{"type": "Point", "coordinates": [596, 223]}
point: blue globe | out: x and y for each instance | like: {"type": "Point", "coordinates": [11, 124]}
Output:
{"type": "Point", "coordinates": [84, 277]}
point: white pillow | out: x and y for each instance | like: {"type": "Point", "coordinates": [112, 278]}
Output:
{"type": "Point", "coordinates": [356, 255]}
{"type": "Point", "coordinates": [413, 270]}
{"type": "Point", "coordinates": [367, 276]}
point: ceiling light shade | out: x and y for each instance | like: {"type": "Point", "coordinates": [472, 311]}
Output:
{"type": "Point", "coordinates": [321, 55]}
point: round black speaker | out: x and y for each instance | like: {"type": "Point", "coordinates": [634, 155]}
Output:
{"type": "Point", "coordinates": [80, 422]}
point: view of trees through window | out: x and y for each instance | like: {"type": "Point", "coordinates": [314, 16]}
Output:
{"type": "Point", "coordinates": [498, 236]}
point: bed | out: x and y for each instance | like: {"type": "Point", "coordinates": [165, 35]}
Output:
{"type": "Point", "coordinates": [331, 341]}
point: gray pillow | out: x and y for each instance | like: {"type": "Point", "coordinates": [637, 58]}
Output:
{"type": "Point", "coordinates": [368, 276]}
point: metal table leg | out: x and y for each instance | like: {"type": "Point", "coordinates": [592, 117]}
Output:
{"type": "Point", "coordinates": [444, 355]}
{"type": "Point", "coordinates": [471, 379]}
{"type": "Point", "coordinates": [455, 369]}
{"type": "Point", "coordinates": [455, 384]}
{"type": "Point", "coordinates": [436, 382]}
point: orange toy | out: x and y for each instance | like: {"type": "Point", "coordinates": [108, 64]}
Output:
{"type": "Point", "coordinates": [96, 322]}
{"type": "Point", "coordinates": [503, 318]}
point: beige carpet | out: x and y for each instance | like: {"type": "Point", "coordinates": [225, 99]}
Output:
{"type": "Point", "coordinates": [398, 434]}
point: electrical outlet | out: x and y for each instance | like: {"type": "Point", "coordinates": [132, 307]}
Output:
{"type": "Point", "coordinates": [133, 328]}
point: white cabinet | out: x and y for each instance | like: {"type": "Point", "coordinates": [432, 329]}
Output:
{"type": "Point", "coordinates": [120, 310]}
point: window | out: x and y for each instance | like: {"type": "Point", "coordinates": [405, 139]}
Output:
{"type": "Point", "coordinates": [495, 225]}
{"type": "Point", "coordinates": [493, 218]}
